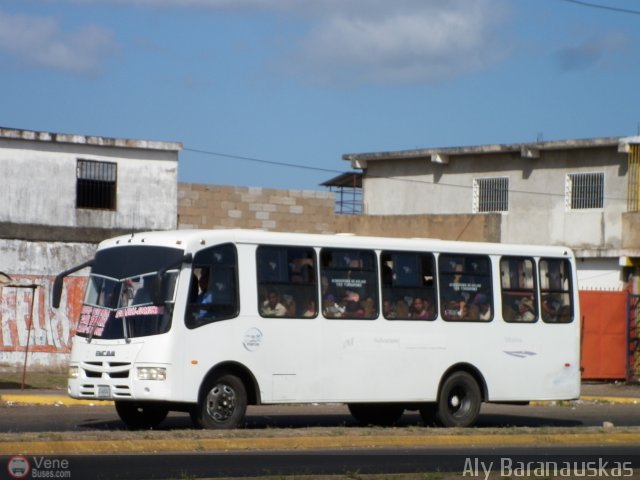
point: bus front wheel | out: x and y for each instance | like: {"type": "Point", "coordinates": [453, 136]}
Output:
{"type": "Point", "coordinates": [223, 403]}
{"type": "Point", "coordinates": [139, 416]}
{"type": "Point", "coordinates": [459, 401]}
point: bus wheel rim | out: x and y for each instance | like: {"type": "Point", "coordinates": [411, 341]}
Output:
{"type": "Point", "coordinates": [221, 402]}
{"type": "Point", "coordinates": [458, 402]}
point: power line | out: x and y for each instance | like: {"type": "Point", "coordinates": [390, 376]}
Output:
{"type": "Point", "coordinates": [260, 160]}
{"type": "Point", "coordinates": [603, 7]}
{"type": "Point", "coordinates": [369, 175]}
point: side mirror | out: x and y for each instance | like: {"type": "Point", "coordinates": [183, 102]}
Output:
{"type": "Point", "coordinates": [56, 291]}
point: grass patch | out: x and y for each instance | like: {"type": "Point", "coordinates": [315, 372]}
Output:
{"type": "Point", "coordinates": [33, 380]}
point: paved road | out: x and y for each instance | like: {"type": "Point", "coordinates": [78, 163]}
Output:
{"type": "Point", "coordinates": [316, 439]}
{"type": "Point", "coordinates": [42, 418]}
{"type": "Point", "coordinates": [509, 462]}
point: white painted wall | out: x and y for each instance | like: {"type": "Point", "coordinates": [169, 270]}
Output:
{"type": "Point", "coordinates": [39, 186]}
{"type": "Point", "coordinates": [537, 212]}
{"type": "Point", "coordinates": [601, 274]}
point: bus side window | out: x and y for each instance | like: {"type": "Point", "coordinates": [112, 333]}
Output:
{"type": "Point", "coordinates": [349, 283]}
{"type": "Point", "coordinates": [408, 286]}
{"type": "Point", "coordinates": [465, 287]}
{"type": "Point", "coordinates": [287, 281]}
{"type": "Point", "coordinates": [556, 290]}
{"type": "Point", "coordinates": [213, 291]}
{"type": "Point", "coordinates": [518, 286]}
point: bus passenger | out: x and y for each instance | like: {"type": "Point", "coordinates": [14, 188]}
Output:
{"type": "Point", "coordinates": [402, 310]}
{"type": "Point", "coordinates": [331, 308]}
{"type": "Point", "coordinates": [420, 310]}
{"type": "Point", "coordinates": [550, 307]}
{"type": "Point", "coordinates": [310, 311]}
{"type": "Point", "coordinates": [205, 296]}
{"type": "Point", "coordinates": [369, 308]}
{"type": "Point", "coordinates": [388, 310]}
{"type": "Point", "coordinates": [272, 307]}
{"type": "Point", "coordinates": [526, 311]}
{"type": "Point", "coordinates": [482, 302]}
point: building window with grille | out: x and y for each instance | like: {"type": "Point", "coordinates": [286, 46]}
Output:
{"type": "Point", "coordinates": [584, 191]}
{"type": "Point", "coordinates": [96, 184]}
{"type": "Point", "coordinates": [491, 195]}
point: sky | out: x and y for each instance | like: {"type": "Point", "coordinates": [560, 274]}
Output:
{"type": "Point", "coordinates": [272, 93]}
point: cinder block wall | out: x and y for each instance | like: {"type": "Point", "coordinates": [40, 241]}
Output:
{"type": "Point", "coordinates": [218, 206]}
{"type": "Point", "coordinates": [305, 211]}
{"type": "Point", "coordinates": [473, 228]}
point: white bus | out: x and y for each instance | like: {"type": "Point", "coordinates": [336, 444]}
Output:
{"type": "Point", "coordinates": [208, 322]}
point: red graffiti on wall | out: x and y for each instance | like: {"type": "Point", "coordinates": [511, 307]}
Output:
{"type": "Point", "coordinates": [27, 318]}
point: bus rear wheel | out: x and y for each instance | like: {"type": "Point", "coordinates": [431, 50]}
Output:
{"type": "Point", "coordinates": [141, 416]}
{"type": "Point", "coordinates": [376, 413]}
{"type": "Point", "coordinates": [459, 401]}
{"type": "Point", "coordinates": [222, 405]}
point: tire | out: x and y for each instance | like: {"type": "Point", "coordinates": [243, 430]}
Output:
{"type": "Point", "coordinates": [383, 414]}
{"type": "Point", "coordinates": [141, 416]}
{"type": "Point", "coordinates": [428, 412]}
{"type": "Point", "coordinates": [459, 401]}
{"type": "Point", "coordinates": [222, 405]}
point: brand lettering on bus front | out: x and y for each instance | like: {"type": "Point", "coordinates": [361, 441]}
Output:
{"type": "Point", "coordinates": [105, 353]}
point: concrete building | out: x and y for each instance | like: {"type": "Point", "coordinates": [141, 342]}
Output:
{"type": "Point", "coordinates": [580, 193]}
{"type": "Point", "coordinates": [61, 194]}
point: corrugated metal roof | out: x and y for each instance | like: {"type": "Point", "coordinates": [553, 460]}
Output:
{"type": "Point", "coordinates": [346, 179]}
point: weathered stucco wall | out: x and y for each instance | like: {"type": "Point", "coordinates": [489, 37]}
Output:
{"type": "Point", "coordinates": [631, 230]}
{"type": "Point", "coordinates": [42, 189]}
{"type": "Point", "coordinates": [27, 320]}
{"type": "Point", "coordinates": [31, 328]}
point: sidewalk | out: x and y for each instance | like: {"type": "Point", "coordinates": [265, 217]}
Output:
{"type": "Point", "coordinates": [612, 392]}
{"type": "Point", "coordinates": [606, 392]}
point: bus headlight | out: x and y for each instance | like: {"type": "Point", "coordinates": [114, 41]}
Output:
{"type": "Point", "coordinates": [74, 372]}
{"type": "Point", "coordinates": [152, 373]}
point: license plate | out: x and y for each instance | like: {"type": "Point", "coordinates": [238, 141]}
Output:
{"type": "Point", "coordinates": [104, 391]}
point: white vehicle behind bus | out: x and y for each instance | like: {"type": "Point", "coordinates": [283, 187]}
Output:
{"type": "Point", "coordinates": [208, 322]}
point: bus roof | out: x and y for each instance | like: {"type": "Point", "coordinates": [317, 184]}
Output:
{"type": "Point", "coordinates": [194, 240]}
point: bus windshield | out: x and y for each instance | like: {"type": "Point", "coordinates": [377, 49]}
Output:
{"type": "Point", "coordinates": [119, 300]}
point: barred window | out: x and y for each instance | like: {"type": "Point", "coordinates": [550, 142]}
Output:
{"type": "Point", "coordinates": [490, 195]}
{"type": "Point", "coordinates": [584, 190]}
{"type": "Point", "coordinates": [96, 184]}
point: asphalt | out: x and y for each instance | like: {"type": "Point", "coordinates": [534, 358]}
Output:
{"type": "Point", "coordinates": [611, 392]}
{"type": "Point", "coordinates": [607, 392]}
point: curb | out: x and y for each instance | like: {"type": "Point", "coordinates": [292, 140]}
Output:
{"type": "Point", "coordinates": [605, 399]}
{"type": "Point", "coordinates": [55, 399]}
{"type": "Point", "coordinates": [27, 399]}
{"type": "Point", "coordinates": [309, 443]}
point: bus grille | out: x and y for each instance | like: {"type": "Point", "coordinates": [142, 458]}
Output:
{"type": "Point", "coordinates": [106, 371]}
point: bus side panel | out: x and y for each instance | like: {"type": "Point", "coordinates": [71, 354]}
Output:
{"type": "Point", "coordinates": [382, 360]}
{"type": "Point", "coordinates": [535, 361]}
